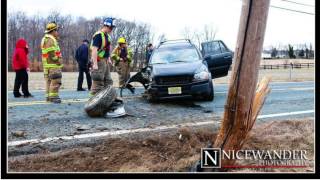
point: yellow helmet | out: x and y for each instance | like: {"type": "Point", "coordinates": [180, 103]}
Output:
{"type": "Point", "coordinates": [51, 26]}
{"type": "Point", "coordinates": [122, 40]}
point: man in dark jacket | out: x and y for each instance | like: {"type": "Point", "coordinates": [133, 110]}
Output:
{"type": "Point", "coordinates": [82, 57]}
{"type": "Point", "coordinates": [149, 50]}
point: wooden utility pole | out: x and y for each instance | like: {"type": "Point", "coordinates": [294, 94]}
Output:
{"type": "Point", "coordinates": [244, 99]}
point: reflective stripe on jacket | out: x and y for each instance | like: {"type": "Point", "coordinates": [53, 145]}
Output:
{"type": "Point", "coordinates": [115, 56]}
{"type": "Point", "coordinates": [51, 56]}
{"type": "Point", "coordinates": [105, 46]}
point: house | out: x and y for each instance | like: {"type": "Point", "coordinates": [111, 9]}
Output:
{"type": "Point", "coordinates": [265, 55]}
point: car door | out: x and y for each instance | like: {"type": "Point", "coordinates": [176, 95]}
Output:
{"type": "Point", "coordinates": [218, 58]}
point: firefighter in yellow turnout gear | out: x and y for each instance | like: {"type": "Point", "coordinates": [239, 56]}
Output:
{"type": "Point", "coordinates": [122, 58]}
{"type": "Point", "coordinates": [52, 62]}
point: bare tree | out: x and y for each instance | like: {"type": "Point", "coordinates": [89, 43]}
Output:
{"type": "Point", "coordinates": [188, 33]}
{"type": "Point", "coordinates": [73, 30]}
{"type": "Point", "coordinates": [206, 33]}
{"type": "Point", "coordinates": [209, 33]}
{"type": "Point", "coordinates": [162, 38]}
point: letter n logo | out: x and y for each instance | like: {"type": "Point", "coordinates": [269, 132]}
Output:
{"type": "Point", "coordinates": [210, 158]}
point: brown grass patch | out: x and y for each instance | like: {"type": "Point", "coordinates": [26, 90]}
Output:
{"type": "Point", "coordinates": [165, 152]}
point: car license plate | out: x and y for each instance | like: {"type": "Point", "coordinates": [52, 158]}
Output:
{"type": "Point", "coordinates": [174, 90]}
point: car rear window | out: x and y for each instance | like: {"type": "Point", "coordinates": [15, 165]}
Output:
{"type": "Point", "coordinates": [174, 54]}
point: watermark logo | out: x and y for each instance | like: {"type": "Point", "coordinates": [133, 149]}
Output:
{"type": "Point", "coordinates": [210, 158]}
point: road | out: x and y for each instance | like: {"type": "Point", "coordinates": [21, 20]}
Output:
{"type": "Point", "coordinates": [45, 123]}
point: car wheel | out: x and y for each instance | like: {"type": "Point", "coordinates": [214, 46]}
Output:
{"type": "Point", "coordinates": [152, 99]}
{"type": "Point", "coordinates": [210, 95]}
{"type": "Point", "coordinates": [99, 104]}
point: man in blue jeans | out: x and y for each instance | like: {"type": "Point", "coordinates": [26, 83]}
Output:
{"type": "Point", "coordinates": [82, 57]}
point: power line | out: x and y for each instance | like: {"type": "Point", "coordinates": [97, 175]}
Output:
{"type": "Point", "coordinates": [292, 10]}
{"type": "Point", "coordinates": [297, 3]}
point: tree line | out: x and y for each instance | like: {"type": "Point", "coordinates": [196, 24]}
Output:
{"type": "Point", "coordinates": [73, 30]}
{"type": "Point", "coordinates": [303, 51]}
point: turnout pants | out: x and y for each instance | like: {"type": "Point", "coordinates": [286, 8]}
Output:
{"type": "Point", "coordinates": [123, 70]}
{"type": "Point", "coordinates": [101, 77]}
{"type": "Point", "coordinates": [52, 77]}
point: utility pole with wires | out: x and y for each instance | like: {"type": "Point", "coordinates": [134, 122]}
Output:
{"type": "Point", "coordinates": [245, 100]}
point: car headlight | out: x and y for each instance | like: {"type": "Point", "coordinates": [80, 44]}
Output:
{"type": "Point", "coordinates": [202, 74]}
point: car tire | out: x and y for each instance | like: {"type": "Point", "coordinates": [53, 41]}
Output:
{"type": "Point", "coordinates": [210, 95]}
{"type": "Point", "coordinates": [99, 104]}
{"type": "Point", "coordinates": [152, 99]}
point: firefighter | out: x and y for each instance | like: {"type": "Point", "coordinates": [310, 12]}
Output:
{"type": "Point", "coordinates": [100, 57]}
{"type": "Point", "coordinates": [122, 57]}
{"type": "Point", "coordinates": [52, 62]}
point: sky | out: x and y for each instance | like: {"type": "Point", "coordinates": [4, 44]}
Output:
{"type": "Point", "coordinates": [170, 17]}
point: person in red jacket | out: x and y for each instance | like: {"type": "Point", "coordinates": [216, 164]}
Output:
{"type": "Point", "coordinates": [20, 65]}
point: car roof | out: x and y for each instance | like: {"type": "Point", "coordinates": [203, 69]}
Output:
{"type": "Point", "coordinates": [176, 45]}
{"type": "Point", "coordinates": [175, 41]}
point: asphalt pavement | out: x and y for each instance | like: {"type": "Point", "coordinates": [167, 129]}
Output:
{"type": "Point", "coordinates": [44, 121]}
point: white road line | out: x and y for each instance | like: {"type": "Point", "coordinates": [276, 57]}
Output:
{"type": "Point", "coordinates": [285, 114]}
{"type": "Point", "coordinates": [280, 89]}
{"type": "Point", "coordinates": [301, 82]}
{"type": "Point", "coordinates": [119, 132]}
{"type": "Point", "coordinates": [102, 134]}
{"type": "Point", "coordinates": [222, 92]}
{"type": "Point", "coordinates": [294, 89]}
{"type": "Point", "coordinates": [302, 89]}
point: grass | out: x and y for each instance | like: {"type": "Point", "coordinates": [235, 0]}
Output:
{"type": "Point", "coordinates": [278, 75]}
{"type": "Point", "coordinates": [174, 151]}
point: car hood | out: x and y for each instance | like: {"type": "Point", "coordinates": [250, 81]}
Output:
{"type": "Point", "coordinates": [173, 69]}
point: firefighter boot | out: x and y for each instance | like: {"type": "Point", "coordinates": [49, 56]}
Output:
{"type": "Point", "coordinates": [55, 100]}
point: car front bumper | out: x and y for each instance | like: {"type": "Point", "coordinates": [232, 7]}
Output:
{"type": "Point", "coordinates": [187, 90]}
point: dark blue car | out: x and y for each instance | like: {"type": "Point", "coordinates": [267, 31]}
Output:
{"type": "Point", "coordinates": [177, 69]}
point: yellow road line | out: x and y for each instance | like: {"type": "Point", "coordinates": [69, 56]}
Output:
{"type": "Point", "coordinates": [45, 102]}
{"type": "Point", "coordinates": [30, 103]}
{"type": "Point", "coordinates": [130, 97]}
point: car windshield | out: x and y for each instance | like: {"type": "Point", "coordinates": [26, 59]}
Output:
{"type": "Point", "coordinates": [174, 55]}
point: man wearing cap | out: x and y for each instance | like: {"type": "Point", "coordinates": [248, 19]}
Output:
{"type": "Point", "coordinates": [82, 57]}
{"type": "Point", "coordinates": [100, 53]}
{"type": "Point", "coordinates": [52, 62]}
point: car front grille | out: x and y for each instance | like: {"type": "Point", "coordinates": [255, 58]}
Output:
{"type": "Point", "coordinates": [173, 80]}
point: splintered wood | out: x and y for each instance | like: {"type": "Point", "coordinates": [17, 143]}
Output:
{"type": "Point", "coordinates": [262, 91]}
